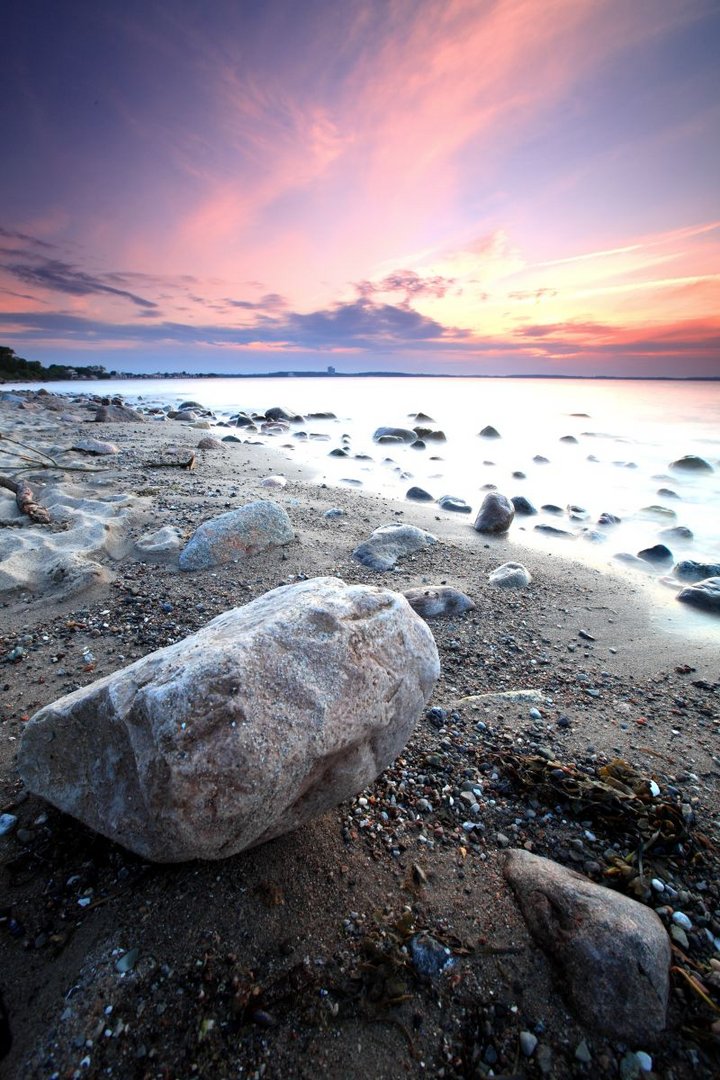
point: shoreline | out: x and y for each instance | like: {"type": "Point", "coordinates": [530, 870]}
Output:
{"type": "Point", "coordinates": [625, 690]}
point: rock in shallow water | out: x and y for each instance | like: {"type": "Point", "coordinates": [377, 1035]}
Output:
{"type": "Point", "coordinates": [704, 594]}
{"type": "Point", "coordinates": [495, 515]}
{"type": "Point", "coordinates": [257, 526]}
{"type": "Point", "coordinates": [269, 715]}
{"type": "Point", "coordinates": [690, 570]}
{"type": "Point", "coordinates": [613, 952]}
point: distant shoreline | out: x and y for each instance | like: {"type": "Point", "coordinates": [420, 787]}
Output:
{"type": "Point", "coordinates": [126, 376]}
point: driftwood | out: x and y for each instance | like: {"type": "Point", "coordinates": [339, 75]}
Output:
{"type": "Point", "coordinates": [178, 459]}
{"type": "Point", "coordinates": [25, 500]}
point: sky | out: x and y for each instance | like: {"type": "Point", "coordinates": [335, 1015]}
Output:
{"type": "Point", "coordinates": [458, 186]}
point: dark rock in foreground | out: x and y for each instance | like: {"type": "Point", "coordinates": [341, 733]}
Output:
{"type": "Point", "coordinates": [613, 953]}
{"type": "Point", "coordinates": [269, 715]}
{"type": "Point", "coordinates": [489, 432]}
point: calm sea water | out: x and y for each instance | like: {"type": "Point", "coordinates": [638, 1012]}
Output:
{"type": "Point", "coordinates": [628, 433]}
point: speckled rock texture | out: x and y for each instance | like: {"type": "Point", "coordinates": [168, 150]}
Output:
{"type": "Point", "coordinates": [255, 527]}
{"type": "Point", "coordinates": [271, 714]}
{"type": "Point", "coordinates": [612, 952]}
{"type": "Point", "coordinates": [389, 543]}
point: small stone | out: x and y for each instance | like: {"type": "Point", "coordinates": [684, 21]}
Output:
{"type": "Point", "coordinates": [629, 1066]}
{"type": "Point", "coordinates": [528, 1043]}
{"type": "Point", "coordinates": [522, 505]}
{"type": "Point", "coordinates": [681, 919]}
{"type": "Point", "coordinates": [7, 823]}
{"type": "Point", "coordinates": [535, 714]}
{"type": "Point", "coordinates": [454, 505]}
{"type": "Point", "coordinates": [127, 961]}
{"type": "Point", "coordinates": [646, 1062]}
{"type": "Point", "coordinates": [334, 512]}
{"type": "Point", "coordinates": [273, 482]}
{"type": "Point", "coordinates": [511, 575]}
{"type": "Point", "coordinates": [429, 956]}
{"type": "Point", "coordinates": [679, 936]}
{"type": "Point", "coordinates": [389, 543]}
{"type": "Point", "coordinates": [502, 840]}
{"type": "Point", "coordinates": [489, 432]}
{"type": "Point", "coordinates": [253, 528]}
{"type": "Point", "coordinates": [544, 1059]}
{"type": "Point", "coordinates": [434, 601]}
{"type": "Point", "coordinates": [582, 1053]}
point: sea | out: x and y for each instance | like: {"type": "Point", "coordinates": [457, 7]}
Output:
{"type": "Point", "coordinates": [607, 446]}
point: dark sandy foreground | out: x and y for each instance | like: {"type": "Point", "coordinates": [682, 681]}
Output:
{"type": "Point", "coordinates": [292, 960]}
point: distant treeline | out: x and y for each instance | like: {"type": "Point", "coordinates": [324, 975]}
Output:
{"type": "Point", "coordinates": [14, 368]}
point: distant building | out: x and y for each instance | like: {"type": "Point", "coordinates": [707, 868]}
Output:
{"type": "Point", "coordinates": [331, 370]}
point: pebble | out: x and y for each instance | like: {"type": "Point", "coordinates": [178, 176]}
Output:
{"type": "Point", "coordinates": [629, 1066]}
{"type": "Point", "coordinates": [7, 823]}
{"type": "Point", "coordinates": [646, 1062]}
{"type": "Point", "coordinates": [679, 936]}
{"type": "Point", "coordinates": [582, 1053]}
{"type": "Point", "coordinates": [681, 919]}
{"type": "Point", "coordinates": [528, 1042]}
{"type": "Point", "coordinates": [127, 961]}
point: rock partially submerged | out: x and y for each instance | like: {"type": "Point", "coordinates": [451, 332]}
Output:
{"type": "Point", "coordinates": [269, 715]}
{"type": "Point", "coordinates": [495, 514]}
{"type": "Point", "coordinates": [692, 463]}
{"type": "Point", "coordinates": [703, 594]}
{"type": "Point", "coordinates": [613, 952]}
{"type": "Point", "coordinates": [434, 601]}
{"type": "Point", "coordinates": [257, 526]}
{"type": "Point", "coordinates": [389, 543]}
{"type": "Point", "coordinates": [690, 570]}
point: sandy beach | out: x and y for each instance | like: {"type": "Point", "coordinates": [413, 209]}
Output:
{"type": "Point", "coordinates": [291, 960]}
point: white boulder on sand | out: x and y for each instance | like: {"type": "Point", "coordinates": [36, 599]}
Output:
{"type": "Point", "coordinates": [269, 715]}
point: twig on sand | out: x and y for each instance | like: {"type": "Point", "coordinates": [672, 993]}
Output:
{"type": "Point", "coordinates": [25, 500]}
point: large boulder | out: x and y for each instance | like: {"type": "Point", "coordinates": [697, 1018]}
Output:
{"type": "Point", "coordinates": [613, 953]}
{"type": "Point", "coordinates": [271, 714]}
{"type": "Point", "coordinates": [255, 527]}
{"type": "Point", "coordinates": [389, 543]}
{"type": "Point", "coordinates": [495, 515]}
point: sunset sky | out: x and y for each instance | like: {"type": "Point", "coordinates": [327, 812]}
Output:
{"type": "Point", "coordinates": [468, 186]}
